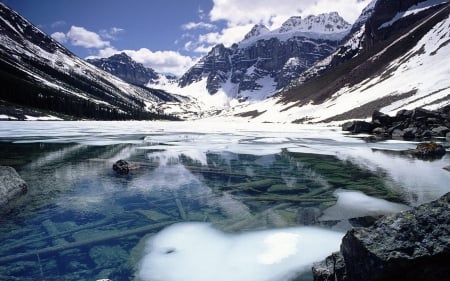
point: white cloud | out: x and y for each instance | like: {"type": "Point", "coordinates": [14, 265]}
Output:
{"type": "Point", "coordinates": [60, 37]}
{"type": "Point", "coordinates": [161, 61]}
{"type": "Point", "coordinates": [238, 12]}
{"type": "Point", "coordinates": [239, 17]}
{"type": "Point", "coordinates": [79, 36]}
{"type": "Point", "coordinates": [111, 33]}
{"type": "Point", "coordinates": [198, 25]}
{"type": "Point", "coordinates": [226, 36]}
{"type": "Point", "coordinates": [57, 24]}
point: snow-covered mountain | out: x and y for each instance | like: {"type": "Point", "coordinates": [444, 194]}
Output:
{"type": "Point", "coordinates": [397, 56]}
{"type": "Point", "coordinates": [36, 71]}
{"type": "Point", "coordinates": [124, 67]}
{"type": "Point", "coordinates": [266, 61]}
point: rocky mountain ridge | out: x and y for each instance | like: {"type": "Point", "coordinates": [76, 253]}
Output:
{"type": "Point", "coordinates": [402, 65]}
{"type": "Point", "coordinates": [124, 67]}
{"type": "Point", "coordinates": [39, 73]}
{"type": "Point", "coordinates": [266, 61]}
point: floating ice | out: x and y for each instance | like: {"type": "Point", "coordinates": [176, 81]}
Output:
{"type": "Point", "coordinates": [197, 251]}
{"type": "Point", "coordinates": [352, 204]}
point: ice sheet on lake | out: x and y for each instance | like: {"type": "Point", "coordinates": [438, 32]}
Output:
{"type": "Point", "coordinates": [197, 251]}
{"type": "Point", "coordinates": [353, 204]}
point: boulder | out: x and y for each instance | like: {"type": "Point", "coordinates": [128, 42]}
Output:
{"type": "Point", "coordinates": [403, 114]}
{"type": "Point", "coordinates": [381, 119]}
{"type": "Point", "coordinates": [11, 185]}
{"type": "Point", "coordinates": [379, 131]}
{"type": "Point", "coordinates": [429, 149]}
{"type": "Point", "coordinates": [412, 245]}
{"type": "Point", "coordinates": [121, 167]}
{"type": "Point", "coordinates": [440, 131]}
{"type": "Point", "coordinates": [357, 127]}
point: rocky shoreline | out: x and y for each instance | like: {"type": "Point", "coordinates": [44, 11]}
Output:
{"type": "Point", "coordinates": [411, 245]}
{"type": "Point", "coordinates": [418, 123]}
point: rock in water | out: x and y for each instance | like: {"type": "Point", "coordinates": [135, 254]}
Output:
{"type": "Point", "coordinates": [431, 149]}
{"type": "Point", "coordinates": [121, 167]}
{"type": "Point", "coordinates": [412, 245]}
{"type": "Point", "coordinates": [11, 185]}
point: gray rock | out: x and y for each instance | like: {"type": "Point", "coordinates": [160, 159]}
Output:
{"type": "Point", "coordinates": [121, 167]}
{"type": "Point", "coordinates": [429, 149]}
{"type": "Point", "coordinates": [440, 131]}
{"type": "Point", "coordinates": [332, 268]}
{"type": "Point", "coordinates": [357, 127]}
{"type": "Point", "coordinates": [413, 245]}
{"type": "Point", "coordinates": [397, 133]}
{"type": "Point", "coordinates": [11, 185]}
{"type": "Point", "coordinates": [379, 131]}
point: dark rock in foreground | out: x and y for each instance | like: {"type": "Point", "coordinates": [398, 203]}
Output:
{"type": "Point", "coordinates": [412, 245]}
{"type": "Point", "coordinates": [11, 185]}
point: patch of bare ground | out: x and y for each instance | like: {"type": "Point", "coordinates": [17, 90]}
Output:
{"type": "Point", "coordinates": [253, 114]}
{"type": "Point", "coordinates": [367, 109]}
{"type": "Point", "coordinates": [370, 63]}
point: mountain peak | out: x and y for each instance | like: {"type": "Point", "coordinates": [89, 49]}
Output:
{"type": "Point", "coordinates": [326, 23]}
{"type": "Point", "coordinates": [257, 30]}
{"type": "Point", "coordinates": [124, 67]}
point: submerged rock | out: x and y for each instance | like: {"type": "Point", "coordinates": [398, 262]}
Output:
{"type": "Point", "coordinates": [412, 245]}
{"type": "Point", "coordinates": [11, 185]}
{"type": "Point", "coordinates": [121, 167]}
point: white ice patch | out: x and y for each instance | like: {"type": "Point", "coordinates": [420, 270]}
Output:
{"type": "Point", "coordinates": [413, 10]}
{"type": "Point", "coordinates": [197, 251]}
{"type": "Point", "coordinates": [352, 204]}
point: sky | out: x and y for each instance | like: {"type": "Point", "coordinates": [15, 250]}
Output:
{"type": "Point", "coordinates": [166, 35]}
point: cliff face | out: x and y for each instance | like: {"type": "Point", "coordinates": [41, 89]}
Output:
{"type": "Point", "coordinates": [412, 245]}
{"type": "Point", "coordinates": [123, 66]}
{"type": "Point", "coordinates": [268, 60]}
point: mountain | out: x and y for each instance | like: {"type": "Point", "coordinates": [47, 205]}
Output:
{"type": "Point", "coordinates": [124, 67]}
{"type": "Point", "coordinates": [396, 56]}
{"type": "Point", "coordinates": [266, 61]}
{"type": "Point", "coordinates": [40, 76]}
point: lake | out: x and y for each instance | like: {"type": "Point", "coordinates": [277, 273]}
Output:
{"type": "Point", "coordinates": [207, 201]}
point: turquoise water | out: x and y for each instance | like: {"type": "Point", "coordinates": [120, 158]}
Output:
{"type": "Point", "coordinates": [81, 221]}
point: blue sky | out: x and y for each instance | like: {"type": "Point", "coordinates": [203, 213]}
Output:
{"type": "Point", "coordinates": [167, 35]}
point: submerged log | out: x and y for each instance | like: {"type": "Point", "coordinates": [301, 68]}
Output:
{"type": "Point", "coordinates": [96, 240]}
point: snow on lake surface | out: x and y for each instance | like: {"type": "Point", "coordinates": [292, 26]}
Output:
{"type": "Point", "coordinates": [214, 196]}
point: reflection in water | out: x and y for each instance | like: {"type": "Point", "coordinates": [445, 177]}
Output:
{"type": "Point", "coordinates": [80, 221]}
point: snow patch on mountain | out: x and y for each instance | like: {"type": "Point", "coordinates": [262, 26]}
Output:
{"type": "Point", "coordinates": [419, 78]}
{"type": "Point", "coordinates": [257, 30]}
{"type": "Point", "coordinates": [327, 26]}
{"type": "Point", "coordinates": [413, 10]}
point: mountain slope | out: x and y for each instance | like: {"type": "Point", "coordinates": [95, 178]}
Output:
{"type": "Point", "coordinates": [403, 64]}
{"type": "Point", "coordinates": [36, 71]}
{"type": "Point", "coordinates": [266, 61]}
{"type": "Point", "coordinates": [124, 67]}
